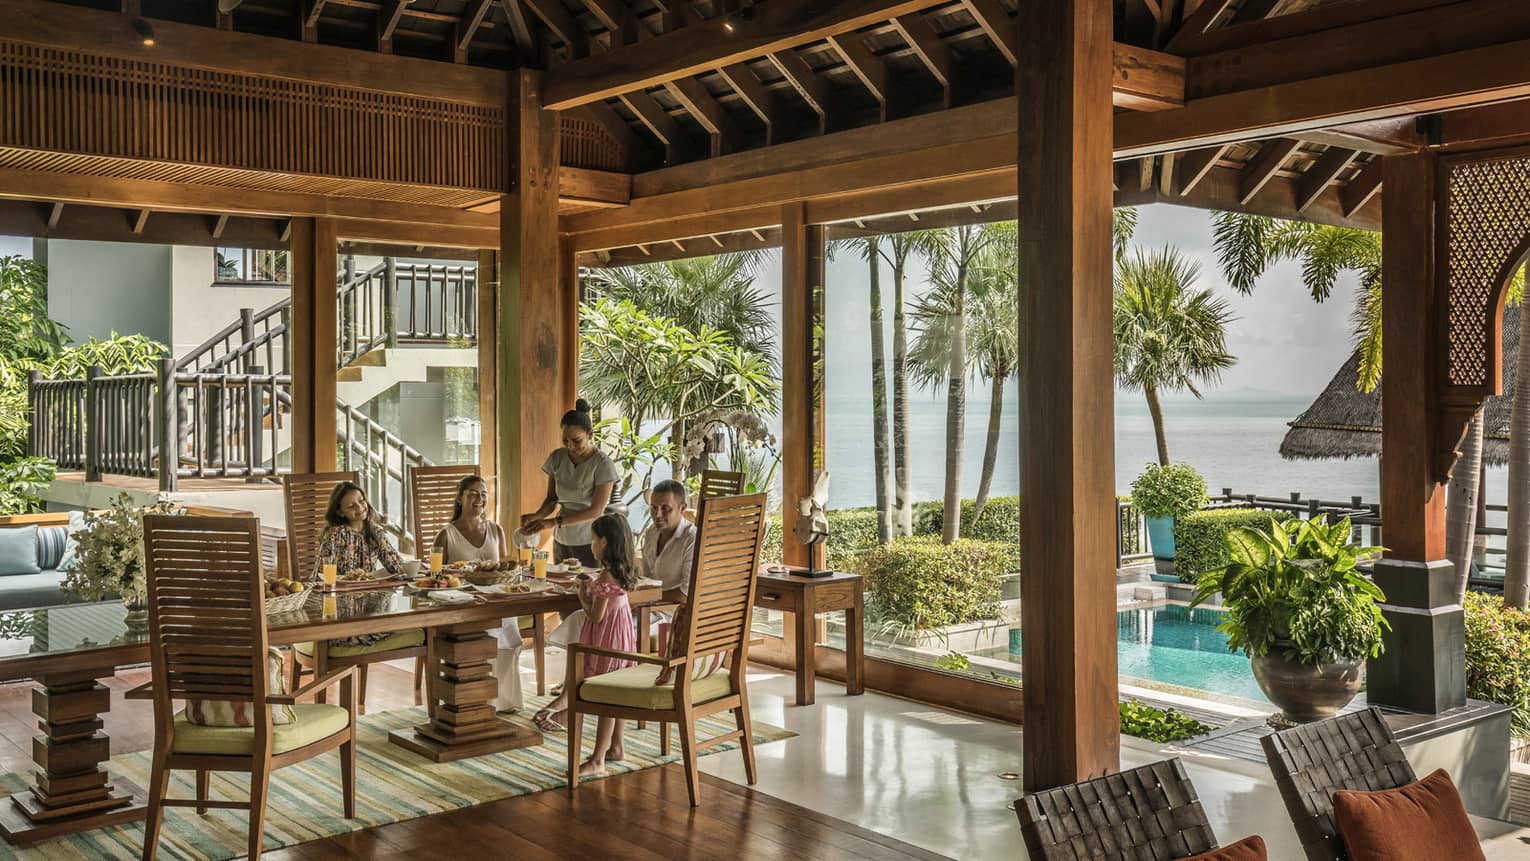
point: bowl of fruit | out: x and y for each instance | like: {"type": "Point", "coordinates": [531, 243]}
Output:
{"type": "Point", "coordinates": [285, 596]}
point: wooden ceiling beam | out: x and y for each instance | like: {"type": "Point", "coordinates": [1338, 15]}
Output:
{"type": "Point", "coordinates": [467, 28]}
{"type": "Point", "coordinates": [55, 212]}
{"type": "Point", "coordinates": [1196, 164]}
{"type": "Point", "coordinates": [1311, 21]}
{"type": "Point", "coordinates": [1499, 124]}
{"type": "Point", "coordinates": [616, 17]}
{"type": "Point", "coordinates": [219, 225]}
{"type": "Point", "coordinates": [1262, 168]}
{"type": "Point", "coordinates": [1462, 79]}
{"type": "Point", "coordinates": [699, 102]}
{"type": "Point", "coordinates": [931, 51]}
{"type": "Point", "coordinates": [775, 27]}
{"type": "Point", "coordinates": [867, 66]}
{"type": "Point", "coordinates": [1219, 191]}
{"type": "Point", "coordinates": [997, 25]}
{"type": "Point", "coordinates": [1386, 137]}
{"type": "Point", "coordinates": [138, 220]}
{"type": "Point", "coordinates": [1145, 80]}
{"type": "Point", "coordinates": [654, 118]}
{"type": "Point", "coordinates": [315, 9]}
{"type": "Point", "coordinates": [1358, 191]}
{"type": "Point", "coordinates": [754, 94]}
{"type": "Point", "coordinates": [527, 49]}
{"type": "Point", "coordinates": [387, 22]}
{"type": "Point", "coordinates": [1321, 174]}
{"type": "Point", "coordinates": [563, 25]}
{"type": "Point", "coordinates": [1195, 25]}
{"type": "Point", "coordinates": [813, 89]}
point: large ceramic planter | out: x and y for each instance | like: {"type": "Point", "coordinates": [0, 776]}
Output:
{"type": "Point", "coordinates": [1161, 542]}
{"type": "Point", "coordinates": [1306, 693]}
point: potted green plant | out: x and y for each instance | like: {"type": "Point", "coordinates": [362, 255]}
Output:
{"type": "Point", "coordinates": [1162, 493]}
{"type": "Point", "coordinates": [109, 559]}
{"type": "Point", "coordinates": [1301, 610]}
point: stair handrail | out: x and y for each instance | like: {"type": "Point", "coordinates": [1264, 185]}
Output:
{"type": "Point", "coordinates": [248, 318]}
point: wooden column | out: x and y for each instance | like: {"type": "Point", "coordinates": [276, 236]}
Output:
{"type": "Point", "coordinates": [488, 375]}
{"type": "Point", "coordinates": [313, 266]}
{"type": "Point", "coordinates": [536, 314]}
{"type": "Point", "coordinates": [802, 384]}
{"type": "Point", "coordinates": [1067, 444]}
{"type": "Point", "coordinates": [1423, 666]}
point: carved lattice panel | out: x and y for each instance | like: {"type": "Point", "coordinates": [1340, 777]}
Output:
{"type": "Point", "coordinates": [1486, 224]}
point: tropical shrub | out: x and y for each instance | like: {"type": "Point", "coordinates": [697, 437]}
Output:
{"type": "Point", "coordinates": [1160, 725]}
{"type": "Point", "coordinates": [1200, 538]}
{"type": "Point", "coordinates": [1169, 491]}
{"type": "Point", "coordinates": [918, 584]}
{"type": "Point", "coordinates": [1498, 656]}
{"type": "Point", "coordinates": [1297, 593]}
{"type": "Point", "coordinates": [22, 483]}
{"type": "Point", "coordinates": [26, 331]}
{"type": "Point", "coordinates": [118, 354]}
{"type": "Point", "coordinates": [1000, 520]}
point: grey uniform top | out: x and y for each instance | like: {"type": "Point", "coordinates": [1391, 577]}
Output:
{"type": "Point", "coordinates": [575, 484]}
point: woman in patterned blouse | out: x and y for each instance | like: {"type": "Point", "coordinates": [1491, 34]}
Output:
{"type": "Point", "coordinates": [353, 541]}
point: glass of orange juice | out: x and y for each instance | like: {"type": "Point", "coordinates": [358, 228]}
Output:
{"type": "Point", "coordinates": [539, 565]}
{"type": "Point", "coordinates": [525, 557]}
{"type": "Point", "coordinates": [330, 609]}
{"type": "Point", "coordinates": [329, 572]}
{"type": "Point", "coordinates": [437, 559]}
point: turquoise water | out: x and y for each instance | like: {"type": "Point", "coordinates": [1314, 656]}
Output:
{"type": "Point", "coordinates": [1179, 646]}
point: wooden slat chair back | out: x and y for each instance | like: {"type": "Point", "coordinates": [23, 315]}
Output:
{"type": "Point", "coordinates": [1312, 761]}
{"type": "Point", "coordinates": [432, 495]}
{"type": "Point", "coordinates": [721, 482]}
{"type": "Point", "coordinates": [715, 619]}
{"type": "Point", "coordinates": [1145, 814]}
{"type": "Point", "coordinates": [306, 497]}
{"type": "Point", "coordinates": [207, 640]}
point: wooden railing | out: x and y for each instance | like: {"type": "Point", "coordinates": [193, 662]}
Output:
{"type": "Point", "coordinates": [1131, 534]}
{"type": "Point", "coordinates": [412, 302]}
{"type": "Point", "coordinates": [383, 460]}
{"type": "Point", "coordinates": [257, 338]}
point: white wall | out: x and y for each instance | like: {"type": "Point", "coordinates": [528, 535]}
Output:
{"type": "Point", "coordinates": [96, 288]}
{"type": "Point", "coordinates": [198, 309]}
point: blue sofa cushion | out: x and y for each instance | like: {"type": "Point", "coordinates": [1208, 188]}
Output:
{"type": "Point", "coordinates": [51, 543]}
{"type": "Point", "coordinates": [27, 591]}
{"type": "Point", "coordinates": [18, 550]}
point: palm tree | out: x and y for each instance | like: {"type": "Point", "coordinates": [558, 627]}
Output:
{"type": "Point", "coordinates": [869, 248]}
{"type": "Point", "coordinates": [940, 352]}
{"type": "Point", "coordinates": [715, 292]}
{"type": "Point", "coordinates": [1247, 245]}
{"type": "Point", "coordinates": [994, 324]}
{"type": "Point", "coordinates": [1168, 335]}
{"type": "Point", "coordinates": [899, 248]}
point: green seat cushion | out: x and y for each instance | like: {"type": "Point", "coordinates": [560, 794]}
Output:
{"type": "Point", "coordinates": [314, 723]}
{"type": "Point", "coordinates": [634, 688]}
{"type": "Point", "coordinates": [400, 640]}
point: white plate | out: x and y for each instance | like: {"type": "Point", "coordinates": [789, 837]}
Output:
{"type": "Point", "coordinates": [534, 586]}
{"type": "Point", "coordinates": [562, 568]}
{"type": "Point", "coordinates": [442, 588]}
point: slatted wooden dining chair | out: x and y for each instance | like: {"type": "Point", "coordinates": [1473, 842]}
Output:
{"type": "Point", "coordinates": [1146, 813]}
{"type": "Point", "coordinates": [714, 622]}
{"type": "Point", "coordinates": [721, 482]}
{"type": "Point", "coordinates": [432, 498]}
{"type": "Point", "coordinates": [207, 641]}
{"type": "Point", "coordinates": [306, 498]}
{"type": "Point", "coordinates": [1312, 761]}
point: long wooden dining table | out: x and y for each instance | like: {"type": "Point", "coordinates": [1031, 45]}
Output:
{"type": "Point", "coordinates": [67, 649]}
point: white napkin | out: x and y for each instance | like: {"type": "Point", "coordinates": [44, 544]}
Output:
{"type": "Point", "coordinates": [452, 596]}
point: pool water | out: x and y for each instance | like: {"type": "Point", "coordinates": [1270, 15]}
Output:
{"type": "Point", "coordinates": [1175, 645]}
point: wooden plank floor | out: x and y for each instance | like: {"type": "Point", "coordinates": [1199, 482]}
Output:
{"type": "Point", "coordinates": [642, 815]}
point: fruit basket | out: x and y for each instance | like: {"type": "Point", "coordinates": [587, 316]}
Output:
{"type": "Point", "coordinates": [493, 575]}
{"type": "Point", "coordinates": [286, 603]}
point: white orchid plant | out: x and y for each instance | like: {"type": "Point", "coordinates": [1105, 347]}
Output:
{"type": "Point", "coordinates": [110, 558]}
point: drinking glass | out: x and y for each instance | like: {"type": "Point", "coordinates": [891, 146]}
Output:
{"type": "Point", "coordinates": [437, 558]}
{"type": "Point", "coordinates": [525, 557]}
{"type": "Point", "coordinates": [329, 572]}
{"type": "Point", "coordinates": [330, 609]}
{"type": "Point", "coordinates": [539, 565]}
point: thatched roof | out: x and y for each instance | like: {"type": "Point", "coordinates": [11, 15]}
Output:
{"type": "Point", "coordinates": [1345, 422]}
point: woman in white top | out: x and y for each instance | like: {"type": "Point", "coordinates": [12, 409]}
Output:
{"type": "Point", "coordinates": [669, 548]}
{"type": "Point", "coordinates": [473, 537]}
{"type": "Point", "coordinates": [580, 479]}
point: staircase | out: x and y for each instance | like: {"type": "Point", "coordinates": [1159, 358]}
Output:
{"type": "Point", "coordinates": [222, 408]}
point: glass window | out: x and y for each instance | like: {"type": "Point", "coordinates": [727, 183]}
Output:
{"type": "Point", "coordinates": [251, 266]}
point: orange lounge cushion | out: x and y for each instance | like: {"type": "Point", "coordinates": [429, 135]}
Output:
{"type": "Point", "coordinates": [1248, 849]}
{"type": "Point", "coordinates": [1424, 819]}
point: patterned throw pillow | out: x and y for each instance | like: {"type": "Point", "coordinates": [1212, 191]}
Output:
{"type": "Point", "coordinates": [52, 541]}
{"type": "Point", "coordinates": [671, 641]}
{"type": "Point", "coordinates": [235, 713]}
{"type": "Point", "coordinates": [71, 546]}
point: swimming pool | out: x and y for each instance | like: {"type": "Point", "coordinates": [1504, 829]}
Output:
{"type": "Point", "coordinates": [1173, 645]}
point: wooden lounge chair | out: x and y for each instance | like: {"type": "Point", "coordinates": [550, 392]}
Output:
{"type": "Point", "coordinates": [1312, 761]}
{"type": "Point", "coordinates": [716, 621]}
{"type": "Point", "coordinates": [306, 496]}
{"type": "Point", "coordinates": [1145, 813]}
{"type": "Point", "coordinates": [207, 640]}
{"type": "Point", "coordinates": [432, 497]}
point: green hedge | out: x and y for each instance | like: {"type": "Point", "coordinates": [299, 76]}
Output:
{"type": "Point", "coordinates": [1498, 656]}
{"type": "Point", "coordinates": [1200, 539]}
{"type": "Point", "coordinates": [1000, 520]}
{"type": "Point", "coordinates": [918, 583]}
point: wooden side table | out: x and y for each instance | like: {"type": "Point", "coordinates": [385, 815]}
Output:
{"type": "Point", "coordinates": [805, 598]}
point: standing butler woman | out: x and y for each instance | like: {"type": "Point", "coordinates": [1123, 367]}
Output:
{"type": "Point", "coordinates": [580, 480]}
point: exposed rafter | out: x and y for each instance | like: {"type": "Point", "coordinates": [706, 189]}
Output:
{"type": "Point", "coordinates": [997, 24]}
{"type": "Point", "coordinates": [867, 66]}
{"type": "Point", "coordinates": [1262, 168]}
{"type": "Point", "coordinates": [813, 89]}
{"type": "Point", "coordinates": [931, 51]}
{"type": "Point", "coordinates": [55, 212]}
{"type": "Point", "coordinates": [1359, 191]}
{"type": "Point", "coordinates": [697, 101]}
{"type": "Point", "coordinates": [575, 40]}
{"type": "Point", "coordinates": [219, 225]}
{"type": "Point", "coordinates": [1321, 174]}
{"type": "Point", "coordinates": [467, 28]}
{"type": "Point", "coordinates": [1196, 164]}
{"type": "Point", "coordinates": [387, 22]}
{"type": "Point", "coordinates": [653, 116]}
{"type": "Point", "coordinates": [138, 220]}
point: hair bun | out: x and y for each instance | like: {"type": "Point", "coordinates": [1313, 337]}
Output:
{"type": "Point", "coordinates": [582, 405]}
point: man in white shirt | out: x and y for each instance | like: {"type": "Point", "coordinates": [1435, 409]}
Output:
{"type": "Point", "coordinates": [669, 548]}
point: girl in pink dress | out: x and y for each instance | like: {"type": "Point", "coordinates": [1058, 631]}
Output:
{"type": "Point", "coordinates": [607, 624]}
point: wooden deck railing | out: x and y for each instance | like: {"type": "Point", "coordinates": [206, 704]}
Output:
{"type": "Point", "coordinates": [413, 302]}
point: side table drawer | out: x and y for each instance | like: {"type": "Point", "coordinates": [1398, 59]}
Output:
{"type": "Point", "coordinates": [837, 596]}
{"type": "Point", "coordinates": [776, 599]}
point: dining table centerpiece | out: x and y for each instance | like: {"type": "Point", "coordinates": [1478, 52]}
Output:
{"type": "Point", "coordinates": [109, 559]}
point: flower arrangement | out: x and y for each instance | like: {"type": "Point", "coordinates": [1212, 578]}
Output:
{"type": "Point", "coordinates": [110, 555]}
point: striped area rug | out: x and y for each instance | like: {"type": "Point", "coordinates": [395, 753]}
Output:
{"type": "Point", "coordinates": [392, 785]}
